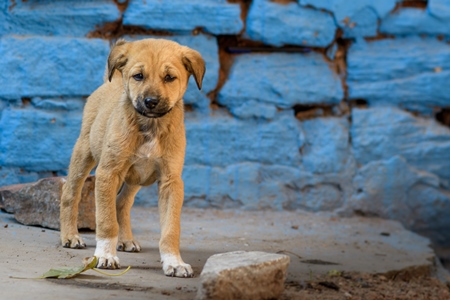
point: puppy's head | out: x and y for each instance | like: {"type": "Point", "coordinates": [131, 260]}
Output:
{"type": "Point", "coordinates": [155, 73]}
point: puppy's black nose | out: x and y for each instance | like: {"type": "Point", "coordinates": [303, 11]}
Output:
{"type": "Point", "coordinates": [151, 103]}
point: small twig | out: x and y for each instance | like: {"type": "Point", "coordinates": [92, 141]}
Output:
{"type": "Point", "coordinates": [289, 252]}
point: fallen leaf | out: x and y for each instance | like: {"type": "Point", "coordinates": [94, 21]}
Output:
{"type": "Point", "coordinates": [70, 272]}
{"type": "Point", "coordinates": [89, 263]}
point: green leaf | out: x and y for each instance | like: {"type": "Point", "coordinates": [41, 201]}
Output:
{"type": "Point", "coordinates": [89, 263]}
{"type": "Point", "coordinates": [71, 272]}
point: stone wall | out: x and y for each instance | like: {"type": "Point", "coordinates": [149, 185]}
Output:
{"type": "Point", "coordinates": [325, 105]}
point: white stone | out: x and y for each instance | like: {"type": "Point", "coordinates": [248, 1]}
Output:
{"type": "Point", "coordinates": [243, 275]}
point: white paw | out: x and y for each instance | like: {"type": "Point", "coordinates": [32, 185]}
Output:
{"type": "Point", "coordinates": [128, 246]}
{"type": "Point", "coordinates": [106, 254]}
{"type": "Point", "coordinates": [174, 266]}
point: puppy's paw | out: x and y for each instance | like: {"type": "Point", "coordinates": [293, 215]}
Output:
{"type": "Point", "coordinates": [106, 254]}
{"type": "Point", "coordinates": [108, 262]}
{"type": "Point", "coordinates": [73, 241]}
{"type": "Point", "coordinates": [174, 266]}
{"type": "Point", "coordinates": [128, 246]}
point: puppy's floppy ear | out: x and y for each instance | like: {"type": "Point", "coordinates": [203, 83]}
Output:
{"type": "Point", "coordinates": [194, 63]}
{"type": "Point", "coordinates": [117, 57]}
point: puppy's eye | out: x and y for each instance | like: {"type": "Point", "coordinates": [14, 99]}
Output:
{"type": "Point", "coordinates": [169, 78]}
{"type": "Point", "coordinates": [138, 77]}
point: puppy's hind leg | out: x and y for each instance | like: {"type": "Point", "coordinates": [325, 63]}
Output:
{"type": "Point", "coordinates": [124, 202]}
{"type": "Point", "coordinates": [81, 164]}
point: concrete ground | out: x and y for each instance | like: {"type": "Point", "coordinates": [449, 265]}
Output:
{"type": "Point", "coordinates": [316, 244]}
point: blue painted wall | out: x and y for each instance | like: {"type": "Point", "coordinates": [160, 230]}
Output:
{"type": "Point", "coordinates": [246, 147]}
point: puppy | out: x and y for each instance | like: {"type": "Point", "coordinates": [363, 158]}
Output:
{"type": "Point", "coordinates": [133, 131]}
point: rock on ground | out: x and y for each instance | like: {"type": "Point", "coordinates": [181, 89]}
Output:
{"type": "Point", "coordinates": [243, 275]}
{"type": "Point", "coordinates": [38, 203]}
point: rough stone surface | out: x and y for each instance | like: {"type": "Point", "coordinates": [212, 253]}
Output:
{"type": "Point", "coordinates": [403, 170]}
{"type": "Point", "coordinates": [412, 72]}
{"type": "Point", "coordinates": [393, 189]}
{"type": "Point", "coordinates": [356, 18]}
{"type": "Point", "coordinates": [38, 140]}
{"type": "Point", "coordinates": [258, 186]}
{"type": "Point", "coordinates": [243, 275]}
{"type": "Point", "coordinates": [38, 203]}
{"type": "Point", "coordinates": [41, 66]}
{"type": "Point", "coordinates": [216, 17]}
{"type": "Point", "coordinates": [280, 24]}
{"type": "Point", "coordinates": [217, 141]}
{"type": "Point", "coordinates": [384, 132]}
{"type": "Point", "coordinates": [326, 148]}
{"type": "Point", "coordinates": [56, 18]}
{"type": "Point", "coordinates": [10, 176]}
{"type": "Point", "coordinates": [280, 79]}
{"type": "Point", "coordinates": [411, 21]}
{"type": "Point", "coordinates": [439, 8]}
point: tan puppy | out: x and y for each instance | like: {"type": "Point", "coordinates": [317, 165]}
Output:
{"type": "Point", "coordinates": [133, 131]}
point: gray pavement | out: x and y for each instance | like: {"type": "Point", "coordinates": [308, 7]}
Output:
{"type": "Point", "coordinates": [315, 243]}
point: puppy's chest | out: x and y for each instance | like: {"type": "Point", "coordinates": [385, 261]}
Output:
{"type": "Point", "coordinates": [147, 157]}
{"type": "Point", "coordinates": [150, 149]}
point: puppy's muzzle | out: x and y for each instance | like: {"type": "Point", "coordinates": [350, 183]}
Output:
{"type": "Point", "coordinates": [152, 107]}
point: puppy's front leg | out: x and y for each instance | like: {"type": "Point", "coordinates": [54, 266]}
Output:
{"type": "Point", "coordinates": [107, 228]}
{"type": "Point", "coordinates": [171, 194]}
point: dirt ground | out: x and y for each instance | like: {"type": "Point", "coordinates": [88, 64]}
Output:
{"type": "Point", "coordinates": [330, 258]}
{"type": "Point", "coordinates": [359, 286]}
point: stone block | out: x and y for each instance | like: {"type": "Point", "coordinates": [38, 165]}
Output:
{"type": "Point", "coordinates": [208, 48]}
{"type": "Point", "coordinates": [356, 18]}
{"type": "Point", "coordinates": [69, 104]}
{"type": "Point", "coordinates": [216, 17]}
{"type": "Point", "coordinates": [362, 23]}
{"type": "Point", "coordinates": [254, 109]}
{"type": "Point", "coordinates": [429, 207]}
{"type": "Point", "coordinates": [414, 21]}
{"type": "Point", "coordinates": [51, 66]}
{"type": "Point", "coordinates": [245, 185]}
{"type": "Point", "coordinates": [382, 187]}
{"type": "Point", "coordinates": [221, 140]}
{"type": "Point", "coordinates": [289, 24]}
{"type": "Point", "coordinates": [56, 18]}
{"type": "Point", "coordinates": [233, 186]}
{"type": "Point", "coordinates": [38, 140]}
{"type": "Point", "coordinates": [10, 176]}
{"type": "Point", "coordinates": [439, 8]}
{"type": "Point", "coordinates": [254, 186]}
{"type": "Point", "coordinates": [326, 148]}
{"type": "Point", "coordinates": [281, 79]}
{"type": "Point", "coordinates": [412, 72]}
{"type": "Point", "coordinates": [243, 275]}
{"type": "Point", "coordinates": [39, 203]}
{"type": "Point", "coordinates": [393, 189]}
{"type": "Point", "coordinates": [384, 132]}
